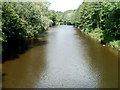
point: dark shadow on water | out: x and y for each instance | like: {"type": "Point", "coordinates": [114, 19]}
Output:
{"type": "Point", "coordinates": [2, 79]}
{"type": "Point", "coordinates": [15, 50]}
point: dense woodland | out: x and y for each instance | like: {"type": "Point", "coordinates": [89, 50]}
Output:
{"type": "Point", "coordinates": [23, 20]}
{"type": "Point", "coordinates": [101, 20]}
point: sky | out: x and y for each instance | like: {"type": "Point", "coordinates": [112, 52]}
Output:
{"type": "Point", "coordinates": [63, 5]}
{"type": "Point", "coordinates": [57, 5]}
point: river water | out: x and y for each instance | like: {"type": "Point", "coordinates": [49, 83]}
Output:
{"type": "Point", "coordinates": [63, 58]}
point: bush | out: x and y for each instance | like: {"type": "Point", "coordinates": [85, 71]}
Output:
{"type": "Point", "coordinates": [97, 33]}
{"type": "Point", "coordinates": [115, 44]}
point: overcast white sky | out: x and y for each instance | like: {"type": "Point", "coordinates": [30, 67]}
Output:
{"type": "Point", "coordinates": [63, 5]}
{"type": "Point", "coordinates": [57, 5]}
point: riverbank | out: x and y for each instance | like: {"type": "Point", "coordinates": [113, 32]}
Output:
{"type": "Point", "coordinates": [100, 21]}
{"type": "Point", "coordinates": [14, 51]}
{"type": "Point", "coordinates": [97, 34]}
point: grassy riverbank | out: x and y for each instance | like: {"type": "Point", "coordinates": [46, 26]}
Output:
{"type": "Point", "coordinates": [98, 35]}
{"type": "Point", "coordinates": [100, 20]}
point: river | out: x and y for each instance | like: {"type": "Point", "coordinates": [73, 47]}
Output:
{"type": "Point", "coordinates": [63, 58]}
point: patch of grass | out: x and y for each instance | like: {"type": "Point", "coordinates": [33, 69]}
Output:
{"type": "Point", "coordinates": [115, 44]}
{"type": "Point", "coordinates": [97, 33]}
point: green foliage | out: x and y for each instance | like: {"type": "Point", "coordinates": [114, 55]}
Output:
{"type": "Point", "coordinates": [35, 15]}
{"type": "Point", "coordinates": [100, 19]}
{"type": "Point", "coordinates": [115, 44]}
{"type": "Point", "coordinates": [22, 20]}
{"type": "Point", "coordinates": [54, 17]}
{"type": "Point", "coordinates": [66, 17]}
{"type": "Point", "coordinates": [13, 26]}
{"type": "Point", "coordinates": [97, 33]}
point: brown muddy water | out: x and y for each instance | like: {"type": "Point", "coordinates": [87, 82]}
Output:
{"type": "Point", "coordinates": [67, 59]}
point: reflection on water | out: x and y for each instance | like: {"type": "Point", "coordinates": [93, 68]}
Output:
{"type": "Point", "coordinates": [25, 70]}
{"type": "Point", "coordinates": [69, 59]}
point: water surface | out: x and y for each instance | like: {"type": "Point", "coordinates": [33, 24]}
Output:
{"type": "Point", "coordinates": [67, 58]}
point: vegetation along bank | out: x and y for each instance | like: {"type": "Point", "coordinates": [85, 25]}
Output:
{"type": "Point", "coordinates": [100, 20]}
{"type": "Point", "coordinates": [23, 20]}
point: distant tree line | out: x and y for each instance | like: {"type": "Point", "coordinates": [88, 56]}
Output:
{"type": "Point", "coordinates": [66, 17]}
